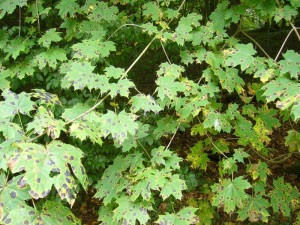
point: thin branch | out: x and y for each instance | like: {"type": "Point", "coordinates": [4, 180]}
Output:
{"type": "Point", "coordinates": [144, 149]}
{"type": "Point", "coordinates": [285, 40]}
{"type": "Point", "coordinates": [173, 136]}
{"type": "Point", "coordinates": [216, 146]}
{"type": "Point", "coordinates": [38, 15]}
{"type": "Point", "coordinates": [165, 52]}
{"type": "Point", "coordinates": [20, 20]}
{"type": "Point", "coordinates": [256, 43]}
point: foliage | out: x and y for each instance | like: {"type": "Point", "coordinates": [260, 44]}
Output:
{"type": "Point", "coordinates": [75, 112]}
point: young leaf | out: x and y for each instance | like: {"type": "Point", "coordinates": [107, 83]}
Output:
{"type": "Point", "coordinates": [185, 216]}
{"type": "Point", "coordinates": [230, 193]}
{"type": "Point", "coordinates": [259, 170]}
{"type": "Point", "coordinates": [174, 186]}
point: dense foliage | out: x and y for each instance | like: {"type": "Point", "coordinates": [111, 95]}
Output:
{"type": "Point", "coordinates": [95, 92]}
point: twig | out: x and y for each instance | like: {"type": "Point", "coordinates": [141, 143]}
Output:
{"type": "Point", "coordinates": [256, 43]}
{"type": "Point", "coordinates": [20, 20]}
{"type": "Point", "coordinates": [173, 136]}
{"type": "Point", "coordinates": [165, 52]}
{"type": "Point", "coordinates": [216, 146]}
{"type": "Point", "coordinates": [285, 40]}
{"type": "Point", "coordinates": [38, 15]}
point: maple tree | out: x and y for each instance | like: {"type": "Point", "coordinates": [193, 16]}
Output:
{"type": "Point", "coordinates": [71, 106]}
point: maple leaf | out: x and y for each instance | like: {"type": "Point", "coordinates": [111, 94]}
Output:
{"type": "Point", "coordinates": [45, 97]}
{"type": "Point", "coordinates": [173, 70]}
{"type": "Point", "coordinates": [121, 87]}
{"type": "Point", "coordinates": [259, 170]}
{"type": "Point", "coordinates": [149, 28]}
{"type": "Point", "coordinates": [118, 125]}
{"type": "Point", "coordinates": [50, 57]}
{"type": "Point", "coordinates": [292, 141]}
{"type": "Point", "coordinates": [44, 121]}
{"type": "Point", "coordinates": [113, 72]}
{"type": "Point", "coordinates": [230, 80]}
{"type": "Point", "coordinates": [50, 36]}
{"type": "Point", "coordinates": [185, 216]}
{"type": "Point", "coordinates": [282, 196]}
{"type": "Point", "coordinates": [243, 56]}
{"type": "Point", "coordinates": [12, 193]}
{"type": "Point", "coordinates": [17, 46]}
{"type": "Point", "coordinates": [173, 186]}
{"type": "Point", "coordinates": [239, 155]}
{"type": "Point", "coordinates": [129, 211]}
{"type": "Point", "coordinates": [151, 9]}
{"type": "Point", "coordinates": [290, 64]}
{"type": "Point", "coordinates": [15, 103]}
{"type": "Point", "coordinates": [286, 12]}
{"type": "Point", "coordinates": [96, 13]}
{"type": "Point", "coordinates": [8, 6]}
{"type": "Point", "coordinates": [230, 193]}
{"type": "Point", "coordinates": [81, 75]}
{"type": "Point", "coordinates": [144, 102]}
{"type": "Point", "coordinates": [256, 208]}
{"type": "Point", "coordinates": [168, 87]}
{"type": "Point", "coordinates": [68, 7]}
{"type": "Point", "coordinates": [197, 157]}
{"type": "Point", "coordinates": [39, 162]}
{"type": "Point", "coordinates": [51, 213]}
{"type": "Point", "coordinates": [93, 48]}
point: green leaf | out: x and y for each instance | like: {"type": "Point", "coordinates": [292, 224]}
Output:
{"type": "Point", "coordinates": [93, 49]}
{"type": "Point", "coordinates": [81, 75]}
{"type": "Point", "coordinates": [15, 103]}
{"type": "Point", "coordinates": [259, 170]}
{"type": "Point", "coordinates": [230, 193]}
{"type": "Point", "coordinates": [129, 211]}
{"type": "Point", "coordinates": [96, 13]}
{"type": "Point", "coordinates": [282, 196]}
{"type": "Point", "coordinates": [118, 125]}
{"type": "Point", "coordinates": [45, 97]}
{"type": "Point", "coordinates": [68, 7]}
{"type": "Point", "coordinates": [13, 193]}
{"type": "Point", "coordinates": [50, 36]}
{"type": "Point", "coordinates": [18, 46]}
{"type": "Point", "coordinates": [197, 157]}
{"type": "Point", "coordinates": [230, 80]}
{"type": "Point", "coordinates": [173, 70]}
{"type": "Point", "coordinates": [286, 12]}
{"type": "Point", "coordinates": [44, 121]}
{"type": "Point", "coordinates": [292, 141]}
{"type": "Point", "coordinates": [50, 57]}
{"type": "Point", "coordinates": [151, 9]}
{"type": "Point", "coordinates": [7, 149]}
{"type": "Point", "coordinates": [174, 186]}
{"type": "Point", "coordinates": [39, 163]}
{"type": "Point", "coordinates": [113, 72]}
{"type": "Point", "coordinates": [239, 155]}
{"type": "Point", "coordinates": [243, 56]}
{"type": "Point", "coordinates": [144, 102]}
{"type": "Point", "coordinates": [11, 131]}
{"type": "Point", "coordinates": [8, 6]}
{"type": "Point", "coordinates": [290, 64]}
{"type": "Point", "coordinates": [287, 92]}
{"type": "Point", "coordinates": [50, 213]}
{"type": "Point", "coordinates": [121, 87]}
{"type": "Point", "coordinates": [168, 87]}
{"type": "Point", "coordinates": [256, 209]}
{"type": "Point", "coordinates": [162, 156]}
{"type": "Point", "coordinates": [185, 216]}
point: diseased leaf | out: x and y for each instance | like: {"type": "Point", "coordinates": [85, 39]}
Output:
{"type": "Point", "coordinates": [230, 194]}
{"type": "Point", "coordinates": [15, 103]}
{"type": "Point", "coordinates": [185, 216]}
